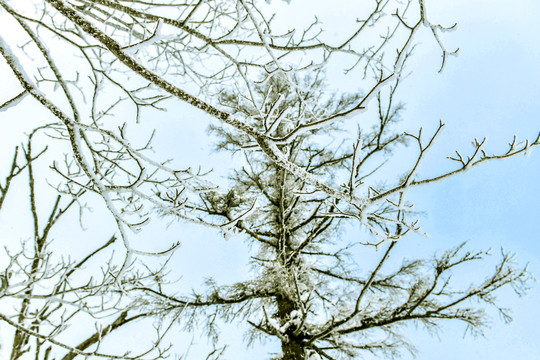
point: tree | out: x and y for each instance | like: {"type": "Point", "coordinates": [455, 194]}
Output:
{"type": "Point", "coordinates": [291, 196]}
{"type": "Point", "coordinates": [53, 296]}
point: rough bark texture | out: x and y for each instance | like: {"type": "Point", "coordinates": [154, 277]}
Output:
{"type": "Point", "coordinates": [292, 348]}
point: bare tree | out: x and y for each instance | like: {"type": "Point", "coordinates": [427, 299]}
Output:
{"type": "Point", "coordinates": [48, 297]}
{"type": "Point", "coordinates": [293, 192]}
{"type": "Point", "coordinates": [307, 290]}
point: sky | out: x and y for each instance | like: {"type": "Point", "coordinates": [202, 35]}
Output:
{"type": "Point", "coordinates": [489, 90]}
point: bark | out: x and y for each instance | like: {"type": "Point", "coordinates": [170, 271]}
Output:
{"type": "Point", "coordinates": [292, 347]}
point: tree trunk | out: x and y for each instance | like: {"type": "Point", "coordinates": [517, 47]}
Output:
{"type": "Point", "coordinates": [292, 347]}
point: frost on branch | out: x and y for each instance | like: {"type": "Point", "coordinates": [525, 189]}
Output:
{"type": "Point", "coordinates": [307, 163]}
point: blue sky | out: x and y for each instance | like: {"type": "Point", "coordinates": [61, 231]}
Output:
{"type": "Point", "coordinates": [490, 90]}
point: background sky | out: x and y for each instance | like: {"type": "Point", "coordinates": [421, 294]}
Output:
{"type": "Point", "coordinates": [490, 90]}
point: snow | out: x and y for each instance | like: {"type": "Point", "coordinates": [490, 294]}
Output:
{"type": "Point", "coordinates": [13, 102]}
{"type": "Point", "coordinates": [3, 352]}
{"type": "Point", "coordinates": [355, 112]}
{"type": "Point", "coordinates": [229, 228]}
{"type": "Point", "coordinates": [528, 149]}
{"type": "Point", "coordinates": [157, 36]}
{"type": "Point", "coordinates": [274, 323]}
{"type": "Point", "coordinates": [276, 122]}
